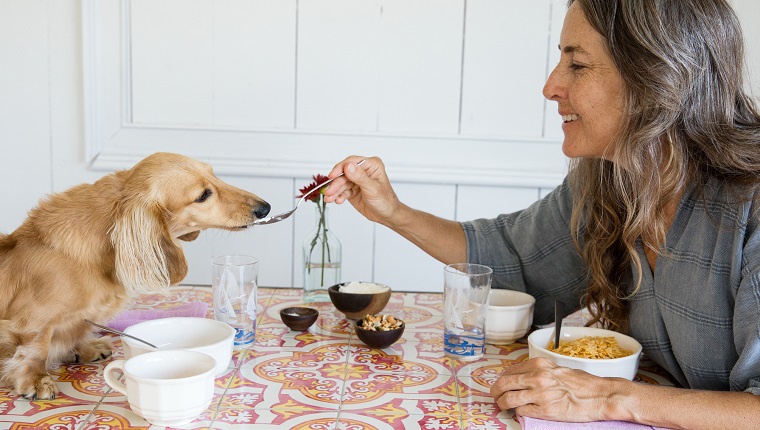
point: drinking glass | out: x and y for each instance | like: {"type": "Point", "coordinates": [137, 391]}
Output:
{"type": "Point", "coordinates": [233, 282]}
{"type": "Point", "coordinates": [465, 303]}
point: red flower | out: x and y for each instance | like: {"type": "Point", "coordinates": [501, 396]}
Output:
{"type": "Point", "coordinates": [314, 197]}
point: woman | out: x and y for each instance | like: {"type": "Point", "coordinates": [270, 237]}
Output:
{"type": "Point", "coordinates": [655, 229]}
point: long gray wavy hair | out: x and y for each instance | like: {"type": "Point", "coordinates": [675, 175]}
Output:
{"type": "Point", "coordinates": [687, 119]}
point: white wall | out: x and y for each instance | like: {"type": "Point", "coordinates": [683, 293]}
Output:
{"type": "Point", "coordinates": [749, 15]}
{"type": "Point", "coordinates": [42, 124]}
{"type": "Point", "coordinates": [25, 108]}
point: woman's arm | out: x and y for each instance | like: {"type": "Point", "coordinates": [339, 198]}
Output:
{"type": "Point", "coordinates": [540, 389]}
{"type": "Point", "coordinates": [368, 190]}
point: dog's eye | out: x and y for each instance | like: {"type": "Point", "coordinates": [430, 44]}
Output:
{"type": "Point", "coordinates": [206, 194]}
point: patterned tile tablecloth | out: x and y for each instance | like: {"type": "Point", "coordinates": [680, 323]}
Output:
{"type": "Point", "coordinates": [323, 378]}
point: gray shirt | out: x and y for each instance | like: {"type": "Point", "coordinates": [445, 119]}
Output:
{"type": "Point", "coordinates": [697, 315]}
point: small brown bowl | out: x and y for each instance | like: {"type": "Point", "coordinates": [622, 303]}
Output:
{"type": "Point", "coordinates": [379, 339]}
{"type": "Point", "coordinates": [298, 318]}
{"type": "Point", "coordinates": [356, 305]}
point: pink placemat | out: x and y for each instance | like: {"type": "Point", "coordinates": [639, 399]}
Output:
{"type": "Point", "coordinates": [134, 316]}
{"type": "Point", "coordinates": [529, 423]}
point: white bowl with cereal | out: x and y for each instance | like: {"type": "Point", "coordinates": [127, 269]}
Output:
{"type": "Point", "coordinates": [594, 350]}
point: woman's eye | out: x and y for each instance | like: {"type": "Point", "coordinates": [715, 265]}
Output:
{"type": "Point", "coordinates": [576, 66]}
{"type": "Point", "coordinates": [205, 195]}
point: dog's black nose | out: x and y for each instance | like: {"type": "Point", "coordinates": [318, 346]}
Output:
{"type": "Point", "coordinates": [262, 210]}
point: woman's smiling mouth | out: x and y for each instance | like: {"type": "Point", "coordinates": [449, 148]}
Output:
{"type": "Point", "coordinates": [569, 118]}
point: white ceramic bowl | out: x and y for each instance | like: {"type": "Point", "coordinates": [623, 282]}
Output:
{"type": "Point", "coordinates": [204, 335]}
{"type": "Point", "coordinates": [624, 367]}
{"type": "Point", "coordinates": [510, 316]}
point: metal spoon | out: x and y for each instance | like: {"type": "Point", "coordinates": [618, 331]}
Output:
{"type": "Point", "coordinates": [557, 322]}
{"type": "Point", "coordinates": [282, 216]}
{"type": "Point", "coordinates": [112, 330]}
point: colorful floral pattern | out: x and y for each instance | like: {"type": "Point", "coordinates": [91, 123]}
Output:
{"type": "Point", "coordinates": [323, 378]}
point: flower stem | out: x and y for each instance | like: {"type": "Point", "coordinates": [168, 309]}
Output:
{"type": "Point", "coordinates": [323, 228]}
{"type": "Point", "coordinates": [321, 231]}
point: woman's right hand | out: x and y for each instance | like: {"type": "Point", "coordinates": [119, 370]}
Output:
{"type": "Point", "coordinates": [366, 187]}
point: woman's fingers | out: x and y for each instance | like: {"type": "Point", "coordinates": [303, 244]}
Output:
{"type": "Point", "coordinates": [342, 188]}
{"type": "Point", "coordinates": [523, 383]}
{"type": "Point", "coordinates": [541, 389]}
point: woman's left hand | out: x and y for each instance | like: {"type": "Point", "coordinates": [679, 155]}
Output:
{"type": "Point", "coordinates": [539, 388]}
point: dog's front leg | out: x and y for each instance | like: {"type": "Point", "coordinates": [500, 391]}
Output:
{"type": "Point", "coordinates": [75, 344]}
{"type": "Point", "coordinates": [26, 371]}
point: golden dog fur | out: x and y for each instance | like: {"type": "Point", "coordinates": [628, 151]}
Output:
{"type": "Point", "coordinates": [83, 252]}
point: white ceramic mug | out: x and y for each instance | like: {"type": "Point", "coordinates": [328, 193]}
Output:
{"type": "Point", "coordinates": [510, 316]}
{"type": "Point", "coordinates": [167, 388]}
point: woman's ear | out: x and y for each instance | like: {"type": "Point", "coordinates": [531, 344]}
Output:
{"type": "Point", "coordinates": [147, 258]}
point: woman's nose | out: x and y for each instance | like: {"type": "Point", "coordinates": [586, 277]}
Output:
{"type": "Point", "coordinates": [553, 89]}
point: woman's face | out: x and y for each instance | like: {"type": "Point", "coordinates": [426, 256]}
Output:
{"type": "Point", "coordinates": [588, 88]}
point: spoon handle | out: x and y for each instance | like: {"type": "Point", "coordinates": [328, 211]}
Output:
{"type": "Point", "coordinates": [318, 187]}
{"type": "Point", "coordinates": [109, 329]}
{"type": "Point", "coordinates": [558, 311]}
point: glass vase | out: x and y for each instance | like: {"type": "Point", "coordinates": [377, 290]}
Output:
{"type": "Point", "coordinates": [322, 259]}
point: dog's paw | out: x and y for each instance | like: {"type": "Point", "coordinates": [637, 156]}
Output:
{"type": "Point", "coordinates": [42, 389]}
{"type": "Point", "coordinates": [92, 350]}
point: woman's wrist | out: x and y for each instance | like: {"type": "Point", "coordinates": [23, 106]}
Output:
{"type": "Point", "coordinates": [400, 219]}
{"type": "Point", "coordinates": [621, 403]}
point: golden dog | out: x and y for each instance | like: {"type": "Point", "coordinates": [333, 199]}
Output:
{"type": "Point", "coordinates": [83, 252]}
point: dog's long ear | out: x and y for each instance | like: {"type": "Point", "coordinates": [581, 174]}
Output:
{"type": "Point", "coordinates": [148, 259]}
{"type": "Point", "coordinates": [189, 237]}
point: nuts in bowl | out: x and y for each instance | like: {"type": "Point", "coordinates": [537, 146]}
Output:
{"type": "Point", "coordinates": [379, 331]}
{"type": "Point", "coordinates": [380, 322]}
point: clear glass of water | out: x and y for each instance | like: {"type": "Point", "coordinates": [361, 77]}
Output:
{"type": "Point", "coordinates": [234, 285]}
{"type": "Point", "coordinates": [465, 308]}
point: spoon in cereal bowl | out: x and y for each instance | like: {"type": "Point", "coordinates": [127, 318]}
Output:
{"type": "Point", "coordinates": [557, 322]}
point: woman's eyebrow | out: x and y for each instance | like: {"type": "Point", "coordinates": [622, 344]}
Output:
{"type": "Point", "coordinates": [569, 49]}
